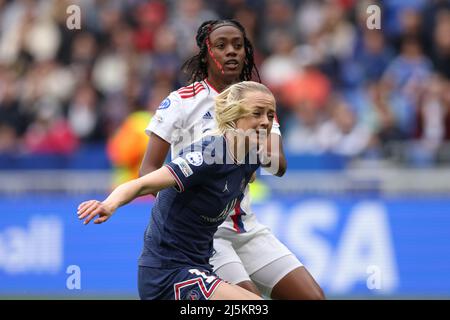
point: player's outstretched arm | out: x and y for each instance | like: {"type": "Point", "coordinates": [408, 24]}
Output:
{"type": "Point", "coordinates": [123, 194]}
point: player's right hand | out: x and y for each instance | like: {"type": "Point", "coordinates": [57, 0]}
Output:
{"type": "Point", "coordinates": [90, 209]}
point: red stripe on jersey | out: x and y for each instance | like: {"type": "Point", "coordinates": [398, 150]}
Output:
{"type": "Point", "coordinates": [177, 180]}
{"type": "Point", "coordinates": [190, 91]}
{"type": "Point", "coordinates": [236, 217]}
{"type": "Point", "coordinates": [189, 88]}
{"type": "Point", "coordinates": [186, 96]}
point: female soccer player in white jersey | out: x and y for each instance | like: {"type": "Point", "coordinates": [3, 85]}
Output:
{"type": "Point", "coordinates": [208, 180]}
{"type": "Point", "coordinates": [246, 252]}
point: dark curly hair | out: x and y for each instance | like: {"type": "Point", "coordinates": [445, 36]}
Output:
{"type": "Point", "coordinates": [196, 67]}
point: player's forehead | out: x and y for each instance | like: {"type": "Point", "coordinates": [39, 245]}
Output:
{"type": "Point", "coordinates": [228, 32]}
{"type": "Point", "coordinates": [260, 100]}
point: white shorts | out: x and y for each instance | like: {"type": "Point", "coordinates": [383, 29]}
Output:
{"type": "Point", "coordinates": [257, 255]}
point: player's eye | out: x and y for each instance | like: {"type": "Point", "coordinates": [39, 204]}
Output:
{"type": "Point", "coordinates": [220, 45]}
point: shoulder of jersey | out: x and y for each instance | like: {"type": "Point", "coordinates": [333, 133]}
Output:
{"type": "Point", "coordinates": [191, 91]}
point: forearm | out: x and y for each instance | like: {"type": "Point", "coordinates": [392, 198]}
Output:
{"type": "Point", "coordinates": [148, 184]}
{"type": "Point", "coordinates": [125, 193]}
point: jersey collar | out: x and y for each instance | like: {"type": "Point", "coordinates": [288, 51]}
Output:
{"type": "Point", "coordinates": [211, 86]}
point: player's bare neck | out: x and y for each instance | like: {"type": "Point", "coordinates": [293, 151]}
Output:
{"type": "Point", "coordinates": [221, 84]}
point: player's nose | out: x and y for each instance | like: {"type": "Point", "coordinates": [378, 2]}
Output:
{"type": "Point", "coordinates": [264, 123]}
{"type": "Point", "coordinates": [231, 51]}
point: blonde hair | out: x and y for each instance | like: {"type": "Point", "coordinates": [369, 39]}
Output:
{"type": "Point", "coordinates": [230, 104]}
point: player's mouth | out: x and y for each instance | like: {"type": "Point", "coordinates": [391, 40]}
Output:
{"type": "Point", "coordinates": [231, 64]}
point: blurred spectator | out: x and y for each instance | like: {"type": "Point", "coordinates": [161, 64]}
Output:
{"type": "Point", "coordinates": [433, 122]}
{"type": "Point", "coordinates": [342, 134]}
{"type": "Point", "coordinates": [227, 9]}
{"type": "Point", "coordinates": [104, 18]}
{"type": "Point", "coordinates": [303, 129]}
{"type": "Point", "coordinates": [404, 79]}
{"type": "Point", "coordinates": [433, 112]}
{"type": "Point", "coordinates": [248, 17]}
{"type": "Point", "coordinates": [429, 15]}
{"type": "Point", "coordinates": [329, 40]}
{"type": "Point", "coordinates": [82, 85]}
{"type": "Point", "coordinates": [278, 16]}
{"type": "Point", "coordinates": [281, 66]}
{"type": "Point", "coordinates": [185, 19]}
{"type": "Point", "coordinates": [83, 52]}
{"type": "Point", "coordinates": [13, 121]}
{"type": "Point", "coordinates": [380, 119]}
{"type": "Point", "coordinates": [83, 114]}
{"type": "Point", "coordinates": [310, 18]}
{"type": "Point", "coordinates": [11, 112]}
{"type": "Point", "coordinates": [8, 139]}
{"type": "Point", "coordinates": [368, 61]}
{"type": "Point", "coordinates": [441, 48]}
{"type": "Point", "coordinates": [393, 10]}
{"type": "Point", "coordinates": [50, 133]}
{"type": "Point", "coordinates": [165, 62]}
{"type": "Point", "coordinates": [309, 85]}
{"type": "Point", "coordinates": [338, 33]}
{"type": "Point", "coordinates": [410, 26]}
{"type": "Point", "coordinates": [149, 16]}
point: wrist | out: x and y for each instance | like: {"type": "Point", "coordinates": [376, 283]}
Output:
{"type": "Point", "coordinates": [110, 206]}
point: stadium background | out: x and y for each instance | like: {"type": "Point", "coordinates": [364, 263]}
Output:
{"type": "Point", "coordinates": [365, 203]}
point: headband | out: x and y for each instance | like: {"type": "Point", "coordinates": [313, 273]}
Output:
{"type": "Point", "coordinates": [219, 25]}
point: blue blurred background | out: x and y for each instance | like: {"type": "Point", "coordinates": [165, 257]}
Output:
{"type": "Point", "coordinates": [365, 203]}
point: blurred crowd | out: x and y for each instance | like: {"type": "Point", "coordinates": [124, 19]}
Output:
{"type": "Point", "coordinates": [341, 88]}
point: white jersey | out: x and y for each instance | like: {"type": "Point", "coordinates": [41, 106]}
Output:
{"type": "Point", "coordinates": [183, 118]}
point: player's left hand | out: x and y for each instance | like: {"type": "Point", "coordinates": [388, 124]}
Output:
{"type": "Point", "coordinates": [93, 208]}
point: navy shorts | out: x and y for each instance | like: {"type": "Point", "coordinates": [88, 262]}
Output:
{"type": "Point", "coordinates": [185, 283]}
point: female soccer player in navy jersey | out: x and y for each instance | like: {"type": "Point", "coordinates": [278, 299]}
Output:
{"type": "Point", "coordinates": [208, 180]}
{"type": "Point", "coordinates": [246, 252]}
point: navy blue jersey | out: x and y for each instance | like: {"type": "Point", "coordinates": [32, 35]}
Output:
{"type": "Point", "coordinates": [184, 218]}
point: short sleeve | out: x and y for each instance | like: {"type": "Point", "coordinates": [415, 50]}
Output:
{"type": "Point", "coordinates": [189, 170]}
{"type": "Point", "coordinates": [167, 119]}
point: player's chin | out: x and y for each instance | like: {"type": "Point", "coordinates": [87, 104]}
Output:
{"type": "Point", "coordinates": [232, 72]}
